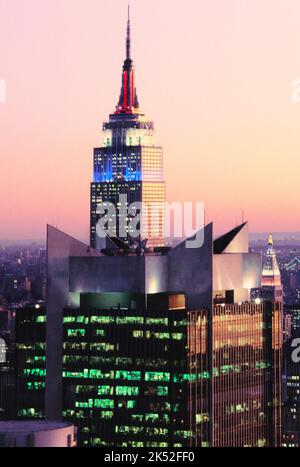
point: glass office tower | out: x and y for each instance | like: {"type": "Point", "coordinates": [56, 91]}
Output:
{"type": "Point", "coordinates": [125, 370]}
{"type": "Point", "coordinates": [129, 163]}
{"type": "Point", "coordinates": [31, 361]}
{"type": "Point", "coordinates": [238, 404]}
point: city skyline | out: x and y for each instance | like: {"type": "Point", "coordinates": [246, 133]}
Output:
{"type": "Point", "coordinates": [221, 103]}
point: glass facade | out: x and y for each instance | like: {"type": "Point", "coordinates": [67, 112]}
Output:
{"type": "Point", "coordinates": [238, 402]}
{"type": "Point", "coordinates": [31, 362]}
{"type": "Point", "coordinates": [125, 374]}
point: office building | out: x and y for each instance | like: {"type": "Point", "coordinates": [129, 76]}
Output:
{"type": "Point", "coordinates": [101, 329]}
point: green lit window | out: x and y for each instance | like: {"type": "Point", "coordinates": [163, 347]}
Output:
{"type": "Point", "coordinates": [157, 335]}
{"type": "Point", "coordinates": [155, 431]}
{"type": "Point", "coordinates": [103, 319]}
{"type": "Point", "coordinates": [123, 404]}
{"type": "Point", "coordinates": [76, 332]}
{"type": "Point", "coordinates": [41, 319]}
{"type": "Point", "coordinates": [69, 319]}
{"type": "Point", "coordinates": [82, 319]}
{"type": "Point", "coordinates": [128, 375]}
{"type": "Point", "coordinates": [83, 405]}
{"type": "Point", "coordinates": [100, 332]}
{"type": "Point", "coordinates": [162, 390]}
{"type": "Point", "coordinates": [76, 374]}
{"type": "Point", "coordinates": [127, 391]}
{"type": "Point", "coordinates": [107, 414]}
{"type": "Point", "coordinates": [98, 374]}
{"type": "Point", "coordinates": [183, 434]}
{"type": "Point", "coordinates": [30, 413]}
{"type": "Point", "coordinates": [156, 376]}
{"type": "Point", "coordinates": [184, 322]}
{"type": "Point", "coordinates": [157, 321]}
{"type": "Point", "coordinates": [138, 334]}
{"type": "Point", "coordinates": [35, 385]}
{"type": "Point", "coordinates": [157, 445]}
{"type": "Point", "coordinates": [180, 378]}
{"type": "Point", "coordinates": [137, 417]}
{"type": "Point", "coordinates": [105, 390]}
{"type": "Point", "coordinates": [34, 372]}
{"type": "Point", "coordinates": [129, 430]}
{"type": "Point", "coordinates": [131, 404]}
{"type": "Point", "coordinates": [104, 403]}
{"type": "Point", "coordinates": [261, 365]}
{"type": "Point", "coordinates": [202, 417]}
{"type": "Point", "coordinates": [84, 389]}
{"type": "Point", "coordinates": [151, 417]}
{"type": "Point", "coordinates": [103, 347]}
{"type": "Point", "coordinates": [130, 320]}
{"type": "Point", "coordinates": [177, 336]}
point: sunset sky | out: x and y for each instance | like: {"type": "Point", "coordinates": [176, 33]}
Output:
{"type": "Point", "coordinates": [215, 76]}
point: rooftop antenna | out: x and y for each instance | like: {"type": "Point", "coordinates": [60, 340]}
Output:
{"type": "Point", "coordinates": [128, 39]}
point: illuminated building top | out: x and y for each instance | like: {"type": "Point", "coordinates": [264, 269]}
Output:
{"type": "Point", "coordinates": [271, 273]}
{"type": "Point", "coordinates": [128, 125]}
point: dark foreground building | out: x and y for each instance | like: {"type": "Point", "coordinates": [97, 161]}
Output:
{"type": "Point", "coordinates": [125, 370]}
{"type": "Point", "coordinates": [31, 361]}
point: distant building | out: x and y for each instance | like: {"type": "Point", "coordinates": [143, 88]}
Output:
{"type": "Point", "coordinates": [37, 434]}
{"type": "Point", "coordinates": [271, 286]}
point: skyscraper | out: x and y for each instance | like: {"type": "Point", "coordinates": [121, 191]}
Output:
{"type": "Point", "coordinates": [129, 163]}
{"type": "Point", "coordinates": [271, 277]}
{"type": "Point", "coordinates": [120, 387]}
{"type": "Point", "coordinates": [239, 348]}
{"type": "Point", "coordinates": [137, 370]}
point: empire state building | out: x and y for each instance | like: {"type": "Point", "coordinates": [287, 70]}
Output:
{"type": "Point", "coordinates": [128, 162]}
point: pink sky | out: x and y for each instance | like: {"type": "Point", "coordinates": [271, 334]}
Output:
{"type": "Point", "coordinates": [214, 75]}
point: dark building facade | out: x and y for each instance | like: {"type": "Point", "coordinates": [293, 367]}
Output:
{"type": "Point", "coordinates": [125, 370]}
{"type": "Point", "coordinates": [109, 316]}
{"type": "Point", "coordinates": [31, 361]}
{"type": "Point", "coordinates": [8, 383]}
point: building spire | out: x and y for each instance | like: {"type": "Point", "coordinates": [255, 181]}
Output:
{"type": "Point", "coordinates": [128, 39]}
{"type": "Point", "coordinates": [128, 102]}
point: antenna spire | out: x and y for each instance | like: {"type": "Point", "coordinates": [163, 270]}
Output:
{"type": "Point", "coordinates": [128, 39]}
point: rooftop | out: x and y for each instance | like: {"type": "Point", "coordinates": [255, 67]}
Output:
{"type": "Point", "coordinates": [30, 426]}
